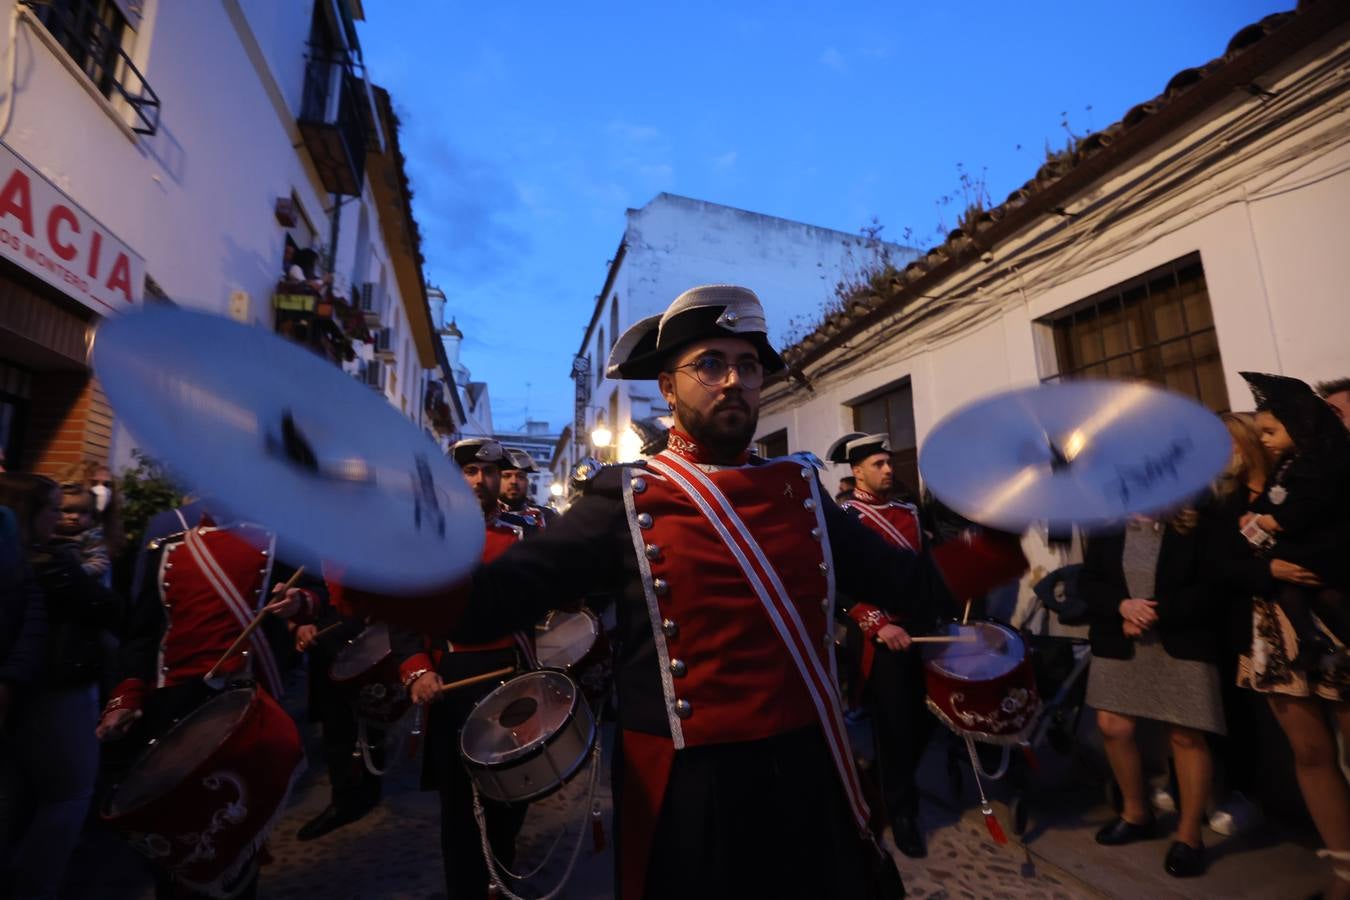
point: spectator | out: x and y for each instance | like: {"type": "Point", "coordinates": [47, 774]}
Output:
{"type": "Point", "coordinates": [1311, 704]}
{"type": "Point", "coordinates": [1236, 489]}
{"type": "Point", "coordinates": [76, 528]}
{"type": "Point", "coordinates": [1337, 395]}
{"type": "Point", "coordinates": [847, 485]}
{"type": "Point", "coordinates": [23, 620]}
{"type": "Point", "coordinates": [53, 751]}
{"type": "Point", "coordinates": [1154, 653]}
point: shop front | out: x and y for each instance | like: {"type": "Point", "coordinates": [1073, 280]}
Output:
{"type": "Point", "coordinates": [61, 271]}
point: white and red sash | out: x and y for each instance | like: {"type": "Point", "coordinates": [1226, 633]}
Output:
{"type": "Point", "coordinates": [765, 582]}
{"type": "Point", "coordinates": [881, 523]}
{"type": "Point", "coordinates": [229, 593]}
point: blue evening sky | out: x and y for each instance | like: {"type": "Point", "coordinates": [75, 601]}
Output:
{"type": "Point", "coordinates": [530, 127]}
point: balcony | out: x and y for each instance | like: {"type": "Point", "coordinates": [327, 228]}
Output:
{"type": "Point", "coordinates": [332, 121]}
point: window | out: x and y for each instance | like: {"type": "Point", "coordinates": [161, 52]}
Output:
{"type": "Point", "coordinates": [774, 445]}
{"type": "Point", "coordinates": [890, 411]}
{"type": "Point", "coordinates": [613, 320]}
{"type": "Point", "coordinates": [600, 354]}
{"type": "Point", "coordinates": [93, 33]}
{"type": "Point", "coordinates": [1157, 327]}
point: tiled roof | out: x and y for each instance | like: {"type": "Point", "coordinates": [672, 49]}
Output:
{"type": "Point", "coordinates": [1254, 50]}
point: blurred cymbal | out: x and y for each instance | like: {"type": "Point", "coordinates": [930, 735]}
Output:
{"type": "Point", "coordinates": [1082, 453]}
{"type": "Point", "coordinates": [280, 437]}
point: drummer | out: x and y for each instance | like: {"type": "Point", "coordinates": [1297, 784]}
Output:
{"type": "Point", "coordinates": [427, 665]}
{"type": "Point", "coordinates": [199, 589]}
{"type": "Point", "coordinates": [890, 676]}
{"type": "Point", "coordinates": [732, 773]}
{"type": "Point", "coordinates": [517, 466]}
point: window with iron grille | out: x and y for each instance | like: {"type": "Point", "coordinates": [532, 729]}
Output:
{"type": "Point", "coordinates": [93, 33]}
{"type": "Point", "coordinates": [890, 411]}
{"type": "Point", "coordinates": [1157, 327]}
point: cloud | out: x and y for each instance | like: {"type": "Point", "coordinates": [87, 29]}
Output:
{"type": "Point", "coordinates": [833, 58]}
{"type": "Point", "coordinates": [725, 161]}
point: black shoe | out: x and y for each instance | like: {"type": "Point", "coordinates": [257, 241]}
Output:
{"type": "Point", "coordinates": [908, 838]}
{"type": "Point", "coordinates": [1185, 861]}
{"type": "Point", "coordinates": [1122, 832]}
{"type": "Point", "coordinates": [331, 819]}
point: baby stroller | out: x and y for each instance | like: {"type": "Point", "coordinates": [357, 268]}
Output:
{"type": "Point", "coordinates": [1058, 667]}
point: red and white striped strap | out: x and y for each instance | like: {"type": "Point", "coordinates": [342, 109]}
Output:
{"type": "Point", "coordinates": [883, 524]}
{"type": "Point", "coordinates": [768, 587]}
{"type": "Point", "coordinates": [229, 594]}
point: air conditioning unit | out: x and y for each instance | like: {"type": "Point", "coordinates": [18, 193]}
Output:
{"type": "Point", "coordinates": [374, 374]}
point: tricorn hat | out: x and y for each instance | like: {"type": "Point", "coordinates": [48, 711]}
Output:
{"type": "Point", "coordinates": [477, 450]}
{"type": "Point", "coordinates": [517, 459]}
{"type": "Point", "coordinates": [855, 446]}
{"type": "Point", "coordinates": [708, 311]}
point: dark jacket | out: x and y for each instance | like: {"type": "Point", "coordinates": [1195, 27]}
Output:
{"type": "Point", "coordinates": [23, 615]}
{"type": "Point", "coordinates": [1187, 617]}
{"type": "Point", "coordinates": [1236, 570]}
{"type": "Point", "coordinates": [79, 607]}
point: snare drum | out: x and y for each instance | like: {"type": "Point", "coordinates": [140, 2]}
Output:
{"type": "Point", "coordinates": [985, 689]}
{"type": "Point", "coordinates": [203, 797]}
{"type": "Point", "coordinates": [367, 668]}
{"type": "Point", "coordinates": [564, 640]}
{"type": "Point", "coordinates": [528, 737]}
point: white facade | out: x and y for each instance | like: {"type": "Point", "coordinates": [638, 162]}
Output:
{"type": "Point", "coordinates": [1259, 189]}
{"type": "Point", "coordinates": [675, 243]}
{"type": "Point", "coordinates": [198, 199]}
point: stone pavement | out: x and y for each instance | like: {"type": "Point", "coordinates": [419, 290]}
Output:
{"type": "Point", "coordinates": [394, 852]}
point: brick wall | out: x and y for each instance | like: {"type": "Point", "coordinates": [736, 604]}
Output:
{"type": "Point", "coordinates": [70, 422]}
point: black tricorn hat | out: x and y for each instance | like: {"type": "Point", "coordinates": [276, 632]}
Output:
{"type": "Point", "coordinates": [708, 311]}
{"type": "Point", "coordinates": [515, 458]}
{"type": "Point", "coordinates": [477, 450]}
{"type": "Point", "coordinates": [855, 446]}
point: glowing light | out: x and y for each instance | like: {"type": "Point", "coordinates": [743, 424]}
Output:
{"type": "Point", "coordinates": [601, 436]}
{"type": "Point", "coordinates": [556, 489]}
{"type": "Point", "coordinates": [630, 444]}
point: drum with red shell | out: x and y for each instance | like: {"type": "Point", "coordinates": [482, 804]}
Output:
{"type": "Point", "coordinates": [366, 667]}
{"type": "Point", "coordinates": [201, 799]}
{"type": "Point", "coordinates": [982, 687]}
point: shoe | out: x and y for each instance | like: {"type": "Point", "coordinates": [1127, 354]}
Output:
{"type": "Point", "coordinates": [908, 838]}
{"type": "Point", "coordinates": [1236, 815]}
{"type": "Point", "coordinates": [1185, 861]}
{"type": "Point", "coordinates": [1162, 800]}
{"type": "Point", "coordinates": [1121, 832]}
{"type": "Point", "coordinates": [331, 819]}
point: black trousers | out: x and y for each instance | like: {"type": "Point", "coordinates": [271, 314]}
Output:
{"type": "Point", "coordinates": [761, 818]}
{"type": "Point", "coordinates": [466, 874]}
{"type": "Point", "coordinates": [331, 705]}
{"type": "Point", "coordinates": [903, 726]}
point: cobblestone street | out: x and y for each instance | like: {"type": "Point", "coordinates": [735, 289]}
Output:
{"type": "Point", "coordinates": [394, 852]}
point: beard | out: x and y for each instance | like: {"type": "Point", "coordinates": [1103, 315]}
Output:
{"type": "Point", "coordinates": [726, 431]}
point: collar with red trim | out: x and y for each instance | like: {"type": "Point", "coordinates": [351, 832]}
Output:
{"type": "Point", "coordinates": [863, 495]}
{"type": "Point", "coordinates": [686, 447]}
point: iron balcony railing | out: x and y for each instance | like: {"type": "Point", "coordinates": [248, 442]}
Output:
{"type": "Point", "coordinates": [333, 124]}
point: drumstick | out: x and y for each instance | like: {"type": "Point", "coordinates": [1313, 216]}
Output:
{"type": "Point", "coordinates": [252, 626]}
{"type": "Point", "coordinates": [945, 639]}
{"type": "Point", "coordinates": [486, 676]}
{"type": "Point", "coordinates": [965, 616]}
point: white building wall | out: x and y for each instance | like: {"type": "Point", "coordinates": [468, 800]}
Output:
{"type": "Point", "coordinates": [197, 199]}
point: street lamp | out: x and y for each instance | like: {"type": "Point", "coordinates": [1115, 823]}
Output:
{"type": "Point", "coordinates": [601, 436]}
{"type": "Point", "coordinates": [556, 489]}
{"type": "Point", "coordinates": [630, 444]}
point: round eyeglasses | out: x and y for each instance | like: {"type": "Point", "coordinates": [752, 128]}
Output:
{"type": "Point", "coordinates": [712, 371]}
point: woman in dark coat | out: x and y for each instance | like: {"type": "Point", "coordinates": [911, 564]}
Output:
{"type": "Point", "coordinates": [1153, 634]}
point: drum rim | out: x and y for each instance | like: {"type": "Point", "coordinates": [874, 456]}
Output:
{"type": "Point", "coordinates": [534, 748]}
{"type": "Point", "coordinates": [930, 665]}
{"type": "Point", "coordinates": [366, 671]}
{"type": "Point", "coordinates": [593, 735]}
{"type": "Point", "coordinates": [150, 749]}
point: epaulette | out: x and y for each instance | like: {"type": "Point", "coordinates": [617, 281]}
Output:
{"type": "Point", "coordinates": [590, 474]}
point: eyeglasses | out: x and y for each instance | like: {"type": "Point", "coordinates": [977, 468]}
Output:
{"type": "Point", "coordinates": [712, 371]}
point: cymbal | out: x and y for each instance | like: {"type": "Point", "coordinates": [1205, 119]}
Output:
{"type": "Point", "coordinates": [276, 435]}
{"type": "Point", "coordinates": [1084, 453]}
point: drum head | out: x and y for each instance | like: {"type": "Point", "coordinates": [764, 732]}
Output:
{"type": "Point", "coordinates": [564, 638]}
{"type": "Point", "coordinates": [173, 757]}
{"type": "Point", "coordinates": [362, 653]}
{"type": "Point", "coordinates": [518, 718]}
{"type": "Point", "coordinates": [996, 651]}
